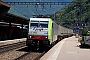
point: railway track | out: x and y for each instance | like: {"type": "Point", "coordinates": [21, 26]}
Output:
{"type": "Point", "coordinates": [36, 55]}
{"type": "Point", "coordinates": [31, 56]}
{"type": "Point", "coordinates": [19, 51]}
{"type": "Point", "coordinates": [8, 47]}
{"type": "Point", "coordinates": [23, 53]}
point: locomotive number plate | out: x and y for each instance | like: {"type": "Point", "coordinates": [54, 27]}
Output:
{"type": "Point", "coordinates": [34, 32]}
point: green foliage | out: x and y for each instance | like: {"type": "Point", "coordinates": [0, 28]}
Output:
{"type": "Point", "coordinates": [78, 10]}
{"type": "Point", "coordinates": [85, 32]}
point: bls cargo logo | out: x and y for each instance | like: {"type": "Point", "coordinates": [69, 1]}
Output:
{"type": "Point", "coordinates": [38, 29]}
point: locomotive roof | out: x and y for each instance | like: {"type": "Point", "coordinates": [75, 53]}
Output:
{"type": "Point", "coordinates": [40, 19]}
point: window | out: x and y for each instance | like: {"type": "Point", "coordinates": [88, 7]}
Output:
{"type": "Point", "coordinates": [34, 25]}
{"type": "Point", "coordinates": [43, 25]}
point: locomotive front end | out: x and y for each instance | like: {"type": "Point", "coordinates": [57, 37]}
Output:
{"type": "Point", "coordinates": [38, 32]}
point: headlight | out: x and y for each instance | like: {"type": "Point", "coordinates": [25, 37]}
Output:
{"type": "Point", "coordinates": [30, 36]}
{"type": "Point", "coordinates": [46, 37]}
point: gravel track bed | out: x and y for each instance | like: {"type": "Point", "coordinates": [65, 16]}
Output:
{"type": "Point", "coordinates": [12, 46]}
{"type": "Point", "coordinates": [12, 54]}
{"type": "Point", "coordinates": [31, 56]}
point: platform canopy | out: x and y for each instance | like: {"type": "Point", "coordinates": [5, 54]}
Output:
{"type": "Point", "coordinates": [7, 18]}
{"type": "Point", "coordinates": [4, 8]}
{"type": "Point", "coordinates": [11, 18]}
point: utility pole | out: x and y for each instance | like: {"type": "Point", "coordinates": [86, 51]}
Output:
{"type": "Point", "coordinates": [80, 10]}
{"type": "Point", "coordinates": [54, 16]}
{"type": "Point", "coordinates": [80, 18]}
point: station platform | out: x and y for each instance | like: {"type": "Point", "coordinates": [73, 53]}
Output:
{"type": "Point", "coordinates": [67, 49]}
{"type": "Point", "coordinates": [7, 42]}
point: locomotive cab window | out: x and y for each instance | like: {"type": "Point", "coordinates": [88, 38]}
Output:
{"type": "Point", "coordinates": [44, 24]}
{"type": "Point", "coordinates": [34, 25]}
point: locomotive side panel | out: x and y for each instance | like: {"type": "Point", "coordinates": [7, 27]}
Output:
{"type": "Point", "coordinates": [55, 31]}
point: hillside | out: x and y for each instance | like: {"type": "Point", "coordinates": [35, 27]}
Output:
{"type": "Point", "coordinates": [74, 12]}
{"type": "Point", "coordinates": [28, 11]}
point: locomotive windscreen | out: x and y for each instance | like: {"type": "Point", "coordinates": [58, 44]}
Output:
{"type": "Point", "coordinates": [42, 24]}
